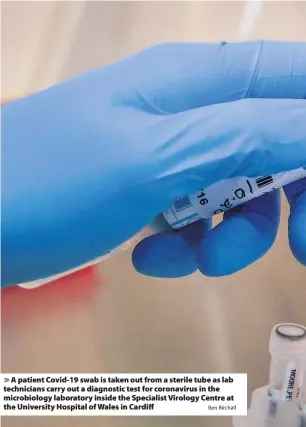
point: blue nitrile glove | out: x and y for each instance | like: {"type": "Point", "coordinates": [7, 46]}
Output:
{"type": "Point", "coordinates": [90, 162]}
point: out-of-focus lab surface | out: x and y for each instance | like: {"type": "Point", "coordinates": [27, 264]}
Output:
{"type": "Point", "coordinates": [131, 323]}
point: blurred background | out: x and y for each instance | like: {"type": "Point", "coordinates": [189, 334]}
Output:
{"type": "Point", "coordinates": [109, 318]}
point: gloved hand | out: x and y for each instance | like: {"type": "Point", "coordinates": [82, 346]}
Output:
{"type": "Point", "coordinates": [90, 162]}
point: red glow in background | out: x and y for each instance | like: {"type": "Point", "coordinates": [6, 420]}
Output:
{"type": "Point", "coordinates": [17, 302]}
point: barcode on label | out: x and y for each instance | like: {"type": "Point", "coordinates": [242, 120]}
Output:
{"type": "Point", "coordinates": [264, 180]}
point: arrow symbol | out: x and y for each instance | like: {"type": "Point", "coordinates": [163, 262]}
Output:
{"type": "Point", "coordinates": [6, 380]}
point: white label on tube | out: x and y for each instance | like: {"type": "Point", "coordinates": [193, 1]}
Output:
{"type": "Point", "coordinates": [290, 381]}
{"type": "Point", "coordinates": [225, 195]}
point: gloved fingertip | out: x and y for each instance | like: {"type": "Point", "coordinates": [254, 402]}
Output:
{"type": "Point", "coordinates": [164, 255]}
{"type": "Point", "coordinates": [296, 230]}
{"type": "Point", "coordinates": [236, 243]}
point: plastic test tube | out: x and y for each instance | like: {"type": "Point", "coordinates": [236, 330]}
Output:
{"type": "Point", "coordinates": [287, 349]}
{"type": "Point", "coordinates": [277, 405]}
{"type": "Point", "coordinates": [224, 196]}
{"type": "Point", "coordinates": [208, 202]}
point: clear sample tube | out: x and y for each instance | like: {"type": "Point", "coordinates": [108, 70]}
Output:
{"type": "Point", "coordinates": [282, 403]}
{"type": "Point", "coordinates": [208, 202]}
{"type": "Point", "coordinates": [287, 349]}
{"type": "Point", "coordinates": [225, 195]}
